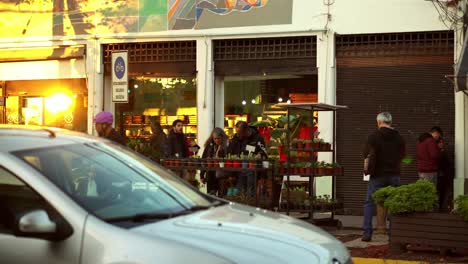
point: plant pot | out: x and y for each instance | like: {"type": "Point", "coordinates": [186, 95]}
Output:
{"type": "Point", "coordinates": [321, 171]}
{"type": "Point", "coordinates": [266, 164]}
{"type": "Point", "coordinates": [214, 163]}
{"type": "Point", "coordinates": [221, 164]}
{"type": "Point", "coordinates": [245, 164]}
{"type": "Point", "coordinates": [308, 145]}
{"type": "Point", "coordinates": [176, 163]}
{"type": "Point", "coordinates": [308, 171]}
{"type": "Point", "coordinates": [339, 171]}
{"type": "Point", "coordinates": [381, 220]}
{"type": "Point", "coordinates": [316, 146]}
{"type": "Point", "coordinates": [236, 164]}
{"type": "Point", "coordinates": [228, 164]}
{"type": "Point", "coordinates": [300, 145]}
{"type": "Point", "coordinates": [252, 164]}
{"type": "Point", "coordinates": [302, 171]}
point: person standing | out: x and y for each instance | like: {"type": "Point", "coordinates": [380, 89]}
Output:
{"type": "Point", "coordinates": [247, 141]}
{"type": "Point", "coordinates": [215, 147]}
{"type": "Point", "coordinates": [103, 124]}
{"type": "Point", "coordinates": [428, 154]}
{"type": "Point", "coordinates": [388, 149]}
{"type": "Point", "coordinates": [177, 146]}
{"type": "Point", "coordinates": [158, 141]}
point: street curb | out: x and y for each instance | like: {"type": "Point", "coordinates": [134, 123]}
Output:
{"type": "Point", "coordinates": [385, 261]}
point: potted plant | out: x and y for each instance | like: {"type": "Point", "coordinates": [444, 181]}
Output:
{"type": "Point", "coordinates": [244, 161]}
{"type": "Point", "coordinates": [229, 161]}
{"type": "Point", "coordinates": [308, 144]}
{"type": "Point", "coordinates": [414, 222]}
{"type": "Point", "coordinates": [236, 163]}
{"type": "Point", "coordinates": [265, 164]}
{"type": "Point", "coordinates": [338, 170]}
{"type": "Point", "coordinates": [221, 162]}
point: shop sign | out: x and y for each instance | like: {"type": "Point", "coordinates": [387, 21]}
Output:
{"type": "Point", "coordinates": [120, 77]}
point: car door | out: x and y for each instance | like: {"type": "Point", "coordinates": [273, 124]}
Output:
{"type": "Point", "coordinates": [17, 200]}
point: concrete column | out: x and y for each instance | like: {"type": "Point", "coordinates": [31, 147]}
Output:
{"type": "Point", "coordinates": [219, 101]}
{"type": "Point", "coordinates": [205, 90]}
{"type": "Point", "coordinates": [461, 146]}
{"type": "Point", "coordinates": [326, 94]}
{"type": "Point", "coordinates": [95, 74]}
{"type": "Point", "coordinates": [461, 130]}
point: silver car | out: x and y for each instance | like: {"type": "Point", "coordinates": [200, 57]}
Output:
{"type": "Point", "coordinates": [72, 198]}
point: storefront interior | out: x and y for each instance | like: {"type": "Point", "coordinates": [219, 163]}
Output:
{"type": "Point", "coordinates": [56, 103]}
{"type": "Point", "coordinates": [253, 98]}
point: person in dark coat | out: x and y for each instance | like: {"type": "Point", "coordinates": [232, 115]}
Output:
{"type": "Point", "coordinates": [103, 124]}
{"type": "Point", "coordinates": [388, 148]}
{"type": "Point", "coordinates": [445, 179]}
{"type": "Point", "coordinates": [428, 155]}
{"type": "Point", "coordinates": [158, 141]}
{"type": "Point", "coordinates": [215, 147]}
{"type": "Point", "coordinates": [247, 141]}
{"type": "Point", "coordinates": [177, 146]}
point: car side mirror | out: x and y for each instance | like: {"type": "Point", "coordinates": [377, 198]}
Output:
{"type": "Point", "coordinates": [37, 224]}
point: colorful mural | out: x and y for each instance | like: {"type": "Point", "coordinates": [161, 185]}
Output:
{"type": "Point", "coordinates": [30, 18]}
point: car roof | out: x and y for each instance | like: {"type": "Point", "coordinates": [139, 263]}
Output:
{"type": "Point", "coordinates": [20, 137]}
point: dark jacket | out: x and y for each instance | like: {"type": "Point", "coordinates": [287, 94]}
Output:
{"type": "Point", "coordinates": [210, 151]}
{"type": "Point", "coordinates": [428, 154]}
{"type": "Point", "coordinates": [389, 147]}
{"type": "Point", "coordinates": [158, 143]}
{"type": "Point", "coordinates": [238, 146]}
{"type": "Point", "coordinates": [116, 137]}
{"type": "Point", "coordinates": [177, 144]}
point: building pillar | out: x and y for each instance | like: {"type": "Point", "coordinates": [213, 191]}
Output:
{"type": "Point", "coordinates": [95, 74]}
{"type": "Point", "coordinates": [326, 94]}
{"type": "Point", "coordinates": [205, 90]}
{"type": "Point", "coordinates": [460, 181]}
{"type": "Point", "coordinates": [219, 101]}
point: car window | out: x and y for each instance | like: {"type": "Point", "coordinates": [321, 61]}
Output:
{"type": "Point", "coordinates": [16, 198]}
{"type": "Point", "coordinates": [108, 183]}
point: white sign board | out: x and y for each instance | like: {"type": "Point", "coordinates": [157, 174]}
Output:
{"type": "Point", "coordinates": [120, 77]}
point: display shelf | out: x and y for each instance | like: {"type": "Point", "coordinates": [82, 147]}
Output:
{"type": "Point", "coordinates": [312, 172]}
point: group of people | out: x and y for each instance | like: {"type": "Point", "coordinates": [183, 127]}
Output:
{"type": "Point", "coordinates": [247, 140]}
{"type": "Point", "coordinates": [385, 149]}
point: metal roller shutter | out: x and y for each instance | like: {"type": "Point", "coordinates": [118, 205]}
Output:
{"type": "Point", "coordinates": [402, 73]}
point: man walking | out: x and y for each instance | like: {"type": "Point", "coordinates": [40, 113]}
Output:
{"type": "Point", "coordinates": [387, 147]}
{"type": "Point", "coordinates": [103, 124]}
{"type": "Point", "coordinates": [428, 154]}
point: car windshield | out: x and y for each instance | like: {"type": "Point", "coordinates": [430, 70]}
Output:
{"type": "Point", "coordinates": [112, 182]}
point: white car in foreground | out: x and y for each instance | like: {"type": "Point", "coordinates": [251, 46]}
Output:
{"type": "Point", "coordinates": [71, 198]}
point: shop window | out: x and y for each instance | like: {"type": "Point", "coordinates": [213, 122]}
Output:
{"type": "Point", "coordinates": [254, 98]}
{"type": "Point", "coordinates": [161, 100]}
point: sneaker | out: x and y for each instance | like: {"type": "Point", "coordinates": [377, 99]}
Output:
{"type": "Point", "coordinates": [366, 238]}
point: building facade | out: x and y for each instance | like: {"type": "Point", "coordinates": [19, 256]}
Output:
{"type": "Point", "coordinates": [210, 62]}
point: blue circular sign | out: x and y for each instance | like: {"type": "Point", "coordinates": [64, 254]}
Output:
{"type": "Point", "coordinates": [119, 67]}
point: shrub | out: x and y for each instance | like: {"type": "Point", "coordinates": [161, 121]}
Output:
{"type": "Point", "coordinates": [461, 206]}
{"type": "Point", "coordinates": [416, 197]}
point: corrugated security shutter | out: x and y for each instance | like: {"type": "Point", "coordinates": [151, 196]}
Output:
{"type": "Point", "coordinates": [402, 73]}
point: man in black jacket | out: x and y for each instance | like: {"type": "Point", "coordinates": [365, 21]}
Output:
{"type": "Point", "coordinates": [387, 147]}
{"type": "Point", "coordinates": [177, 146]}
{"type": "Point", "coordinates": [247, 141]}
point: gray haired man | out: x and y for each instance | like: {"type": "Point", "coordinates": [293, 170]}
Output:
{"type": "Point", "coordinates": [388, 148]}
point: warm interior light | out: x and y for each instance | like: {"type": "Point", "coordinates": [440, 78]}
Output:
{"type": "Point", "coordinates": [58, 103]}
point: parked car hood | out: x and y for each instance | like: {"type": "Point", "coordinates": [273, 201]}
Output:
{"type": "Point", "coordinates": [245, 234]}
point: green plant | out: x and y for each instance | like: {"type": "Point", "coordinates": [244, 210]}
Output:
{"type": "Point", "coordinates": [461, 206]}
{"type": "Point", "coordinates": [416, 197]}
